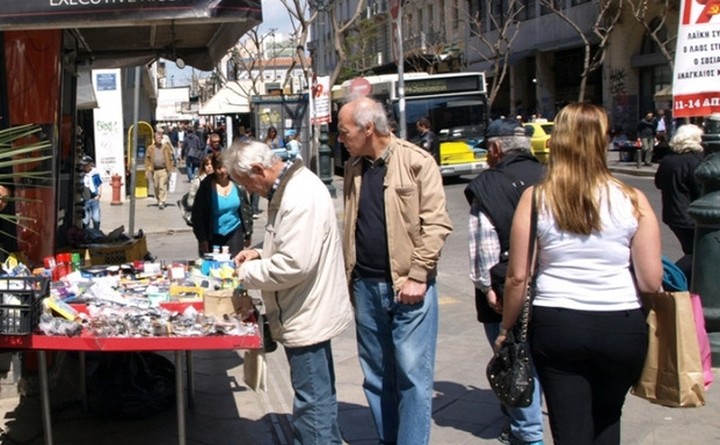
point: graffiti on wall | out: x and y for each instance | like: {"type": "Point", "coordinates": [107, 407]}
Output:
{"type": "Point", "coordinates": [622, 102]}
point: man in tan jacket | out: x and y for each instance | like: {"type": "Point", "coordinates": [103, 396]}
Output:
{"type": "Point", "coordinates": [159, 164]}
{"type": "Point", "coordinates": [395, 227]}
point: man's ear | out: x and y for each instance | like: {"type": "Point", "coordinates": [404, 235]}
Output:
{"type": "Point", "coordinates": [257, 169]}
{"type": "Point", "coordinates": [369, 129]}
{"type": "Point", "coordinates": [495, 149]}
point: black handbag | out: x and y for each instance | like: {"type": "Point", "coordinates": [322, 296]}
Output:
{"type": "Point", "coordinates": [510, 369]}
{"type": "Point", "coordinates": [510, 373]}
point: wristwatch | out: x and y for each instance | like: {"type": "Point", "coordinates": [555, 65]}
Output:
{"type": "Point", "coordinates": [503, 331]}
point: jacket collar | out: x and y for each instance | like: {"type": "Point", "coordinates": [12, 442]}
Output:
{"type": "Point", "coordinates": [277, 196]}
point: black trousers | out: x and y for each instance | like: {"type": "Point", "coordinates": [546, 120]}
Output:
{"type": "Point", "coordinates": [235, 240]}
{"type": "Point", "coordinates": [586, 362]}
{"type": "Point", "coordinates": [686, 236]}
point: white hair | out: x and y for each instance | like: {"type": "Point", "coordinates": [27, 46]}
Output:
{"type": "Point", "coordinates": [240, 157]}
{"type": "Point", "coordinates": [513, 143]}
{"type": "Point", "coordinates": [366, 110]}
{"type": "Point", "coordinates": [687, 139]}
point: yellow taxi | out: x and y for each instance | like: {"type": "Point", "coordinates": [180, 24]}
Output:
{"type": "Point", "coordinates": [539, 132]}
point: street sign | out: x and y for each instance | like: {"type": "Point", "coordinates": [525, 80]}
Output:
{"type": "Point", "coordinates": [394, 8]}
{"type": "Point", "coordinates": [360, 87]}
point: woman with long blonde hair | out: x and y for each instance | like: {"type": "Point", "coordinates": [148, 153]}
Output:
{"type": "Point", "coordinates": [598, 246]}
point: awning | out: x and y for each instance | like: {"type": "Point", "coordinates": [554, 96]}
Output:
{"type": "Point", "coordinates": [664, 93]}
{"type": "Point", "coordinates": [231, 99]}
{"type": "Point", "coordinates": [86, 99]}
{"type": "Point", "coordinates": [119, 34]}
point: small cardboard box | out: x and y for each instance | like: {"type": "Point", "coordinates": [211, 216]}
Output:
{"type": "Point", "coordinates": [220, 302]}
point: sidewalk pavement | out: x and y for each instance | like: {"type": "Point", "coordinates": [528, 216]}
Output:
{"type": "Point", "coordinates": [227, 412]}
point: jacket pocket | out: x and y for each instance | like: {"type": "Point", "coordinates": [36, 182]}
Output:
{"type": "Point", "coordinates": [409, 210]}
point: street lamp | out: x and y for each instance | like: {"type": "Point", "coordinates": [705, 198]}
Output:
{"type": "Point", "coordinates": [706, 213]}
{"type": "Point", "coordinates": [323, 149]}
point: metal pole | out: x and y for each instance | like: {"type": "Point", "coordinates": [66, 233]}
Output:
{"type": "Point", "coordinates": [45, 397]}
{"type": "Point", "coordinates": [180, 396]}
{"type": "Point", "coordinates": [706, 213]}
{"type": "Point", "coordinates": [132, 156]}
{"type": "Point", "coordinates": [274, 58]}
{"type": "Point", "coordinates": [401, 75]}
{"type": "Point", "coordinates": [325, 161]}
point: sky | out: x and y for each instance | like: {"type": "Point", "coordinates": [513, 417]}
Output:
{"type": "Point", "coordinates": [274, 16]}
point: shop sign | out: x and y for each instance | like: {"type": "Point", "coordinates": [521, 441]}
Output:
{"type": "Point", "coordinates": [88, 13]}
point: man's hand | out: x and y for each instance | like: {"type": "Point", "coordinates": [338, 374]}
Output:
{"type": "Point", "coordinates": [411, 292]}
{"type": "Point", "coordinates": [245, 307]}
{"type": "Point", "coordinates": [499, 341]}
{"type": "Point", "coordinates": [493, 301]}
{"type": "Point", "coordinates": [204, 247]}
{"type": "Point", "coordinates": [246, 255]}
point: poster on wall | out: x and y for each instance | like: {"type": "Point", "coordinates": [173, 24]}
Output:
{"type": "Point", "coordinates": [321, 100]}
{"type": "Point", "coordinates": [109, 129]}
{"type": "Point", "coordinates": [696, 80]}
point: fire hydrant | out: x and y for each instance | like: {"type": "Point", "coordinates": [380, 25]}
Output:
{"type": "Point", "coordinates": [116, 184]}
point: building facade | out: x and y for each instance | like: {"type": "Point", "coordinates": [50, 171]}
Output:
{"type": "Point", "coordinates": [546, 54]}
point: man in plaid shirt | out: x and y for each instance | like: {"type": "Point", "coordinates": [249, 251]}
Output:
{"type": "Point", "coordinates": [493, 196]}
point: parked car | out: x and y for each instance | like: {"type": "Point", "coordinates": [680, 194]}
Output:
{"type": "Point", "coordinates": [539, 133]}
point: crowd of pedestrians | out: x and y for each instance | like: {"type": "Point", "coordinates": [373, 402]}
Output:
{"type": "Point", "coordinates": [597, 244]}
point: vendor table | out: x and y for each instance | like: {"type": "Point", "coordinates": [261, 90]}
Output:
{"type": "Point", "coordinates": [86, 342]}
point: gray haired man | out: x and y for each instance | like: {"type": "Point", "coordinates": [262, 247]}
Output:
{"type": "Point", "coordinates": [493, 196]}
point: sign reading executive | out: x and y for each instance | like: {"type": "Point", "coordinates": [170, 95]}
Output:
{"type": "Point", "coordinates": [87, 13]}
{"type": "Point", "coordinates": [696, 80]}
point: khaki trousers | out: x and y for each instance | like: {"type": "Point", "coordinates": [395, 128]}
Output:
{"type": "Point", "coordinates": [160, 179]}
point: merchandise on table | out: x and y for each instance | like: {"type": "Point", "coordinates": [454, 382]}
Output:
{"type": "Point", "coordinates": [134, 300]}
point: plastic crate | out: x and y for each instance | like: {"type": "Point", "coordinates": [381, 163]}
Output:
{"type": "Point", "coordinates": [104, 254]}
{"type": "Point", "coordinates": [21, 303]}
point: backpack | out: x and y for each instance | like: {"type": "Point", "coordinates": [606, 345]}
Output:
{"type": "Point", "coordinates": [185, 209]}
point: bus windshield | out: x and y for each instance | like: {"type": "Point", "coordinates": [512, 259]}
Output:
{"type": "Point", "coordinates": [451, 118]}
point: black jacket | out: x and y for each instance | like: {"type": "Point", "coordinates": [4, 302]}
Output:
{"type": "Point", "coordinates": [430, 142]}
{"type": "Point", "coordinates": [192, 147]}
{"type": "Point", "coordinates": [675, 177]}
{"type": "Point", "coordinates": [646, 129]}
{"type": "Point", "coordinates": [497, 191]}
{"type": "Point", "coordinates": [202, 211]}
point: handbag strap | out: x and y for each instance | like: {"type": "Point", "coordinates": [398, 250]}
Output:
{"type": "Point", "coordinates": [529, 278]}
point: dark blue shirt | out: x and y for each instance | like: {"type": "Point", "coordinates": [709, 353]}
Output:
{"type": "Point", "coordinates": [370, 235]}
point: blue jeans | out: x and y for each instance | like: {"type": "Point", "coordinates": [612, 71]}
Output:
{"type": "Point", "coordinates": [92, 214]}
{"type": "Point", "coordinates": [396, 347]}
{"type": "Point", "coordinates": [526, 424]}
{"type": "Point", "coordinates": [191, 167]}
{"type": "Point", "coordinates": [312, 375]}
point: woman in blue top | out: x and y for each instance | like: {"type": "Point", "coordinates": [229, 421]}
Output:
{"type": "Point", "coordinates": [221, 213]}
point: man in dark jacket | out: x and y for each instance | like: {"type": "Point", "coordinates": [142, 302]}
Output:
{"type": "Point", "coordinates": [646, 135]}
{"type": "Point", "coordinates": [428, 139]}
{"type": "Point", "coordinates": [493, 196]}
{"type": "Point", "coordinates": [192, 152]}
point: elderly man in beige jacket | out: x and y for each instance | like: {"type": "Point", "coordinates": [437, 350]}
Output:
{"type": "Point", "coordinates": [301, 275]}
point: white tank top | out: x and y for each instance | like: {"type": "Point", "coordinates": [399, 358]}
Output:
{"type": "Point", "coordinates": [588, 272]}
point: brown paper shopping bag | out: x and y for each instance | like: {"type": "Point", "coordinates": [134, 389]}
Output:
{"type": "Point", "coordinates": [673, 373]}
